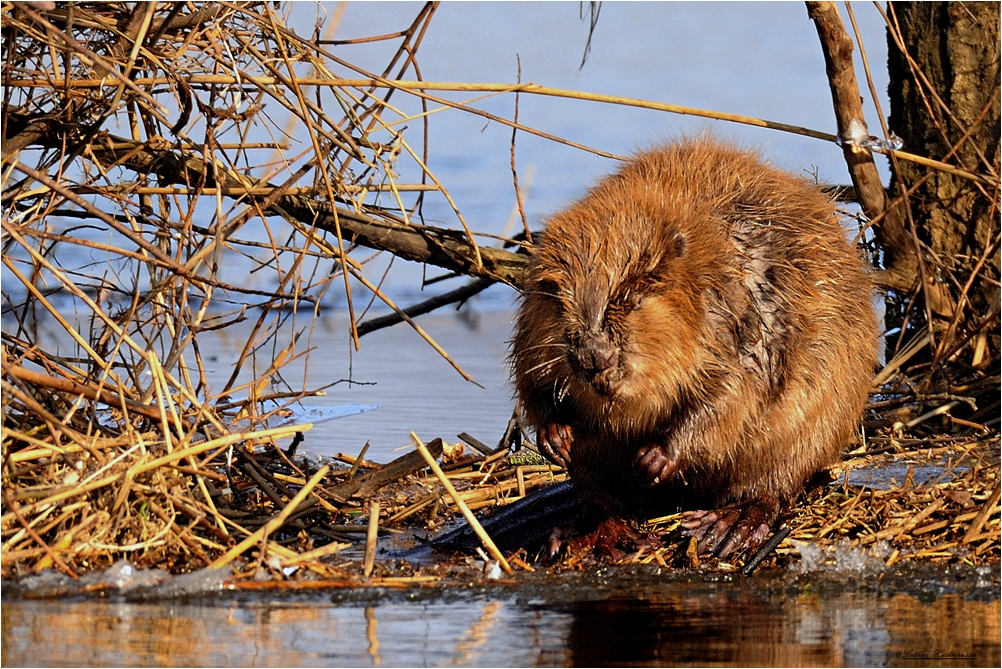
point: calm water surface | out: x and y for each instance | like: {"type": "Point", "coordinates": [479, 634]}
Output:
{"type": "Point", "coordinates": [413, 386]}
{"type": "Point", "coordinates": [705, 624]}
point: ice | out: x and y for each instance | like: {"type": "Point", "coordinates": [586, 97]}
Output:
{"type": "Point", "coordinates": [843, 557]}
{"type": "Point", "coordinates": [812, 556]}
{"type": "Point", "coordinates": [984, 577]}
{"type": "Point", "coordinates": [307, 413]}
{"type": "Point", "coordinates": [312, 413]}
{"type": "Point", "coordinates": [124, 577]}
{"type": "Point", "coordinates": [195, 583]}
{"type": "Point", "coordinates": [49, 583]}
{"type": "Point", "coordinates": [121, 577]}
{"type": "Point", "coordinates": [857, 135]}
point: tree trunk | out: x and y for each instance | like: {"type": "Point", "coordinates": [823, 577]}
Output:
{"type": "Point", "coordinates": [944, 71]}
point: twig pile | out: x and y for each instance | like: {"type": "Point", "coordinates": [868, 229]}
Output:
{"type": "Point", "coordinates": [207, 504]}
{"type": "Point", "coordinates": [114, 441]}
{"type": "Point", "coordinates": [148, 171]}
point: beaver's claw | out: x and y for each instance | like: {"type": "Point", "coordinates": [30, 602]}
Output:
{"type": "Point", "coordinates": [554, 442]}
{"type": "Point", "coordinates": [731, 527]}
{"type": "Point", "coordinates": [655, 465]}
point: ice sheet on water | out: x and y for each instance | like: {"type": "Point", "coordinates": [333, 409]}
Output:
{"type": "Point", "coordinates": [894, 474]}
{"type": "Point", "coordinates": [123, 576]}
{"type": "Point", "coordinates": [843, 557]}
{"type": "Point", "coordinates": [195, 583]}
{"type": "Point", "coordinates": [307, 413]}
{"type": "Point", "coordinates": [46, 584]}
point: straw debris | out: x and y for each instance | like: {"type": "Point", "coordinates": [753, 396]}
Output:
{"type": "Point", "coordinates": [149, 146]}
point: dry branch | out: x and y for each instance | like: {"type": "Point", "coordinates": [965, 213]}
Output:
{"type": "Point", "coordinates": [837, 46]}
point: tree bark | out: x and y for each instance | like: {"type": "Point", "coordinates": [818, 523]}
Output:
{"type": "Point", "coordinates": [943, 62]}
{"type": "Point", "coordinates": [901, 266]}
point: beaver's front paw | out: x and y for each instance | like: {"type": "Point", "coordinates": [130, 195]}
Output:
{"type": "Point", "coordinates": [555, 441]}
{"type": "Point", "coordinates": [655, 465]}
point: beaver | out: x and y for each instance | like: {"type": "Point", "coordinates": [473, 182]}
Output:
{"type": "Point", "coordinates": [695, 334]}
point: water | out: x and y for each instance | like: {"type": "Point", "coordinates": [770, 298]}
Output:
{"type": "Point", "coordinates": [573, 620]}
{"type": "Point", "coordinates": [414, 388]}
{"type": "Point", "coordinates": [756, 59]}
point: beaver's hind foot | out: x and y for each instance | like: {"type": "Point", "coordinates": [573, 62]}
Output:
{"type": "Point", "coordinates": [743, 525]}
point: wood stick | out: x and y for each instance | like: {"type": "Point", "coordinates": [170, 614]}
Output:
{"type": "Point", "coordinates": [476, 443]}
{"type": "Point", "coordinates": [979, 521]}
{"type": "Point", "coordinates": [456, 295]}
{"type": "Point", "coordinates": [65, 385]}
{"type": "Point", "coordinates": [371, 538]}
{"type": "Point", "coordinates": [529, 88]}
{"type": "Point", "coordinates": [12, 505]}
{"type": "Point", "coordinates": [316, 553]}
{"type": "Point", "coordinates": [274, 523]}
{"type": "Point", "coordinates": [907, 526]}
{"type": "Point", "coordinates": [837, 47]}
{"type": "Point", "coordinates": [361, 454]}
{"type": "Point", "coordinates": [410, 321]}
{"type": "Point", "coordinates": [368, 483]}
{"type": "Point", "coordinates": [470, 518]}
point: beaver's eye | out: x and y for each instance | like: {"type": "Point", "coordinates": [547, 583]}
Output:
{"type": "Point", "coordinates": [629, 302]}
{"type": "Point", "coordinates": [633, 302]}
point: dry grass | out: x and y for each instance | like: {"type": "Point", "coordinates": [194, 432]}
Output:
{"type": "Point", "coordinates": [133, 178]}
{"type": "Point", "coordinates": [140, 157]}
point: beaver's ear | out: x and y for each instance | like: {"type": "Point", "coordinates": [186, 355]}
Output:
{"type": "Point", "coordinates": [544, 285]}
{"type": "Point", "coordinates": [676, 245]}
{"type": "Point", "coordinates": [672, 247]}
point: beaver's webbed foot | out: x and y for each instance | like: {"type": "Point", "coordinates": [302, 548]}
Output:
{"type": "Point", "coordinates": [554, 441]}
{"type": "Point", "coordinates": [655, 465]}
{"type": "Point", "coordinates": [612, 537]}
{"type": "Point", "coordinates": [744, 525]}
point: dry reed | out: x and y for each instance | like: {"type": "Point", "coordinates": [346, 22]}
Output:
{"type": "Point", "coordinates": [122, 447]}
{"type": "Point", "coordinates": [140, 157]}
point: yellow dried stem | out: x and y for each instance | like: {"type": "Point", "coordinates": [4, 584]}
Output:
{"type": "Point", "coordinates": [272, 524]}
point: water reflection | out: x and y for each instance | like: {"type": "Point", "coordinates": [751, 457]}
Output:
{"type": "Point", "coordinates": [696, 630]}
{"type": "Point", "coordinates": [851, 630]}
{"type": "Point", "coordinates": [689, 626]}
{"type": "Point", "coordinates": [478, 634]}
{"type": "Point", "coordinates": [371, 635]}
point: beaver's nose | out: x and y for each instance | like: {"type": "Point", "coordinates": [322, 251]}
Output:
{"type": "Point", "coordinates": [594, 353]}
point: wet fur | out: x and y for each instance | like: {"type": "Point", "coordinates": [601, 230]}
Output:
{"type": "Point", "coordinates": [737, 316]}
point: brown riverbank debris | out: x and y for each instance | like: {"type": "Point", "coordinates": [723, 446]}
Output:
{"type": "Point", "coordinates": [928, 491]}
{"type": "Point", "coordinates": [133, 195]}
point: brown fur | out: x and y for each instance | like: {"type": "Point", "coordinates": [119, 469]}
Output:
{"type": "Point", "coordinates": [706, 304]}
